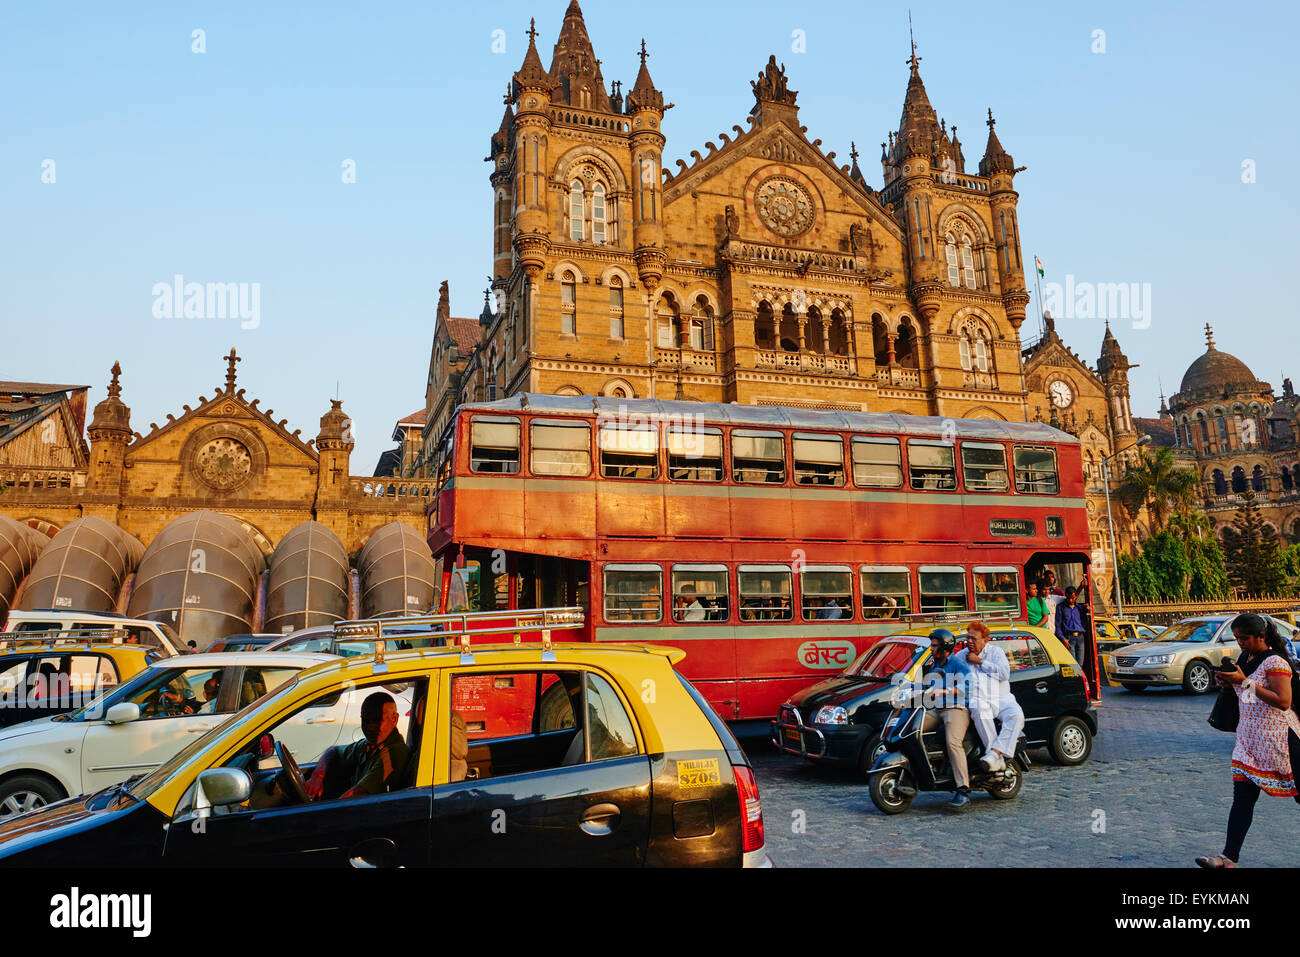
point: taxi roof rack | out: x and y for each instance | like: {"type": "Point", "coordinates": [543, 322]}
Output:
{"type": "Point", "coordinates": [64, 639]}
{"type": "Point", "coordinates": [987, 617]}
{"type": "Point", "coordinates": [456, 626]}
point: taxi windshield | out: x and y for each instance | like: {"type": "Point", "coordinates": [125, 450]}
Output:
{"type": "Point", "coordinates": [160, 775]}
{"type": "Point", "coordinates": [884, 660]}
{"type": "Point", "coordinates": [1198, 631]}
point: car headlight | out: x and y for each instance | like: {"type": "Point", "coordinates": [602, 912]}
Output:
{"type": "Point", "coordinates": [1157, 659]}
{"type": "Point", "coordinates": [831, 714]}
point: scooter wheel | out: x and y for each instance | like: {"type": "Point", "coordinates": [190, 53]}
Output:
{"type": "Point", "coordinates": [885, 794]}
{"type": "Point", "coordinates": [1008, 787]}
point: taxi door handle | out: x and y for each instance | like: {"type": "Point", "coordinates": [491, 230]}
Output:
{"type": "Point", "coordinates": [199, 728]}
{"type": "Point", "coordinates": [600, 819]}
{"type": "Point", "coordinates": [1041, 687]}
{"type": "Point", "coordinates": [323, 719]}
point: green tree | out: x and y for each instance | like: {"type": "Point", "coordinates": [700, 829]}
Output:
{"type": "Point", "coordinates": [1166, 555]}
{"type": "Point", "coordinates": [1136, 580]}
{"type": "Point", "coordinates": [1207, 579]}
{"type": "Point", "coordinates": [1252, 551]}
{"type": "Point", "coordinates": [1291, 562]}
{"type": "Point", "coordinates": [1159, 483]}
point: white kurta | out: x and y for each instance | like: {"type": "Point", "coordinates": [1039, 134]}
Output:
{"type": "Point", "coordinates": [993, 700]}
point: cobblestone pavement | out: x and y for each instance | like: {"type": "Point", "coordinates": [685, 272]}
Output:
{"type": "Point", "coordinates": [1158, 780]}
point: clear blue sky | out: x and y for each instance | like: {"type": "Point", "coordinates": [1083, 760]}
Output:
{"type": "Point", "coordinates": [226, 167]}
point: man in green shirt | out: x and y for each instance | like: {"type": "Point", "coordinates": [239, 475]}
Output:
{"type": "Point", "coordinates": [364, 767]}
{"type": "Point", "coordinates": [1036, 607]}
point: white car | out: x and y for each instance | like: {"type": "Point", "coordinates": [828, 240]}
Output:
{"type": "Point", "coordinates": [47, 623]}
{"type": "Point", "coordinates": [143, 722]}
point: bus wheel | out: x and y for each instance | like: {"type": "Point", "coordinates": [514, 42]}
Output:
{"type": "Point", "coordinates": [885, 794]}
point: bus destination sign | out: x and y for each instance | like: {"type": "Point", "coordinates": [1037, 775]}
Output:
{"type": "Point", "coordinates": [1012, 527]}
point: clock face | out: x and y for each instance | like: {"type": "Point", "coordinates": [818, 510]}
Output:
{"type": "Point", "coordinates": [1060, 393]}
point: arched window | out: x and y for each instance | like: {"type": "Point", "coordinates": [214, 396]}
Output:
{"type": "Point", "coordinates": [880, 340]}
{"type": "Point", "coordinates": [967, 263]}
{"type": "Point", "coordinates": [1287, 483]}
{"type": "Point", "coordinates": [598, 213]}
{"type": "Point", "coordinates": [701, 326]}
{"type": "Point", "coordinates": [670, 323]}
{"type": "Point", "coordinates": [1205, 429]}
{"type": "Point", "coordinates": [1238, 479]}
{"type": "Point", "coordinates": [568, 304]}
{"type": "Point", "coordinates": [964, 259]}
{"type": "Point", "coordinates": [1295, 475]}
{"type": "Point", "coordinates": [789, 331]}
{"type": "Point", "coordinates": [575, 212]}
{"type": "Point", "coordinates": [765, 326]}
{"type": "Point", "coordinates": [813, 331]}
{"type": "Point", "coordinates": [974, 352]}
{"type": "Point", "coordinates": [839, 333]}
{"type": "Point", "coordinates": [1257, 478]}
{"type": "Point", "coordinates": [615, 307]}
{"type": "Point", "coordinates": [954, 267]}
{"type": "Point", "coordinates": [1221, 426]}
{"type": "Point", "coordinates": [905, 345]}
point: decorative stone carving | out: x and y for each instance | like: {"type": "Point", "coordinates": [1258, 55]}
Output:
{"type": "Point", "coordinates": [784, 207]}
{"type": "Point", "coordinates": [223, 463]}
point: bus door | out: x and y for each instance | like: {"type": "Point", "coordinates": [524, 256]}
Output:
{"type": "Point", "coordinates": [1055, 572]}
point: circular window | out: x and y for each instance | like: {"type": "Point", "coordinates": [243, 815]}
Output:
{"type": "Point", "coordinates": [223, 463]}
{"type": "Point", "coordinates": [784, 206]}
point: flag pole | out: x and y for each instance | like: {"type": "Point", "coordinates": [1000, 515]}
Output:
{"type": "Point", "coordinates": [1038, 288]}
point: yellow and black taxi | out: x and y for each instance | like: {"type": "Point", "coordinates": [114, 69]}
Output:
{"type": "Point", "coordinates": [838, 721]}
{"type": "Point", "coordinates": [40, 678]}
{"type": "Point", "coordinates": [525, 754]}
{"type": "Point", "coordinates": [1113, 633]}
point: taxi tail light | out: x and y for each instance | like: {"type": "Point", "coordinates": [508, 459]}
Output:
{"type": "Point", "coordinates": [751, 812]}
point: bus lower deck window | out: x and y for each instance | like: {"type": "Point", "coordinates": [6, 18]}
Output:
{"type": "Point", "coordinates": [494, 444]}
{"type": "Point", "coordinates": [694, 454]}
{"type": "Point", "coordinates": [886, 592]}
{"type": "Point", "coordinates": [943, 591]}
{"type": "Point", "coordinates": [877, 463]}
{"type": "Point", "coordinates": [758, 458]}
{"type": "Point", "coordinates": [827, 593]}
{"type": "Point", "coordinates": [997, 590]}
{"type": "Point", "coordinates": [931, 465]}
{"type": "Point", "coordinates": [764, 592]}
{"type": "Point", "coordinates": [818, 460]}
{"type": "Point", "coordinates": [559, 448]}
{"type": "Point", "coordinates": [634, 593]}
{"type": "Point", "coordinates": [630, 453]}
{"type": "Point", "coordinates": [1036, 471]}
{"type": "Point", "coordinates": [984, 467]}
{"type": "Point", "coordinates": [700, 593]}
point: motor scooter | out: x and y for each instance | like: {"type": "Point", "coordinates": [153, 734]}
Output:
{"type": "Point", "coordinates": [915, 757]}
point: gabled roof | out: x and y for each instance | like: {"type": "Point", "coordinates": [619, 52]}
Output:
{"type": "Point", "coordinates": [209, 407]}
{"type": "Point", "coordinates": [36, 388]}
{"type": "Point", "coordinates": [464, 333]}
{"type": "Point", "coordinates": [1161, 432]}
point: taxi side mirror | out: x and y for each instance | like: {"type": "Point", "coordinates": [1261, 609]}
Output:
{"type": "Point", "coordinates": [219, 787]}
{"type": "Point", "coordinates": [123, 712]}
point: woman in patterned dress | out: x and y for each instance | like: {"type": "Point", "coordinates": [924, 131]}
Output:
{"type": "Point", "coordinates": [1268, 732]}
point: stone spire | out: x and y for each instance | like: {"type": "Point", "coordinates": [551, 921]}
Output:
{"type": "Point", "coordinates": [531, 75]}
{"type": "Point", "coordinates": [575, 71]}
{"type": "Point", "coordinates": [1113, 362]}
{"type": "Point", "coordinates": [920, 133]}
{"type": "Point", "coordinates": [502, 137]}
{"type": "Point", "coordinates": [335, 429]}
{"type": "Point", "coordinates": [485, 317]}
{"type": "Point", "coordinates": [643, 95]}
{"type": "Point", "coordinates": [855, 173]}
{"type": "Point", "coordinates": [112, 414]}
{"type": "Point", "coordinates": [231, 359]}
{"type": "Point", "coordinates": [996, 159]}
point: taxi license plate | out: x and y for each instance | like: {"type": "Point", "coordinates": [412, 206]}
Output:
{"type": "Point", "coordinates": [793, 736]}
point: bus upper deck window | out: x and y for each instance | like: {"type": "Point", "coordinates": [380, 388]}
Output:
{"type": "Point", "coordinates": [818, 459]}
{"type": "Point", "coordinates": [877, 463]}
{"type": "Point", "coordinates": [943, 590]}
{"type": "Point", "coordinates": [984, 465]}
{"type": "Point", "coordinates": [634, 592]}
{"type": "Point", "coordinates": [764, 592]}
{"type": "Point", "coordinates": [1036, 471]}
{"type": "Point", "coordinates": [827, 592]}
{"type": "Point", "coordinates": [997, 590]}
{"type": "Point", "coordinates": [694, 454]}
{"type": "Point", "coordinates": [559, 447]}
{"type": "Point", "coordinates": [494, 444]}
{"type": "Point", "coordinates": [758, 458]}
{"type": "Point", "coordinates": [886, 592]}
{"type": "Point", "coordinates": [931, 465]}
{"type": "Point", "coordinates": [631, 453]}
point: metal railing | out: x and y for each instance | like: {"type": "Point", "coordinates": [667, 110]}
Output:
{"type": "Point", "coordinates": [69, 639]}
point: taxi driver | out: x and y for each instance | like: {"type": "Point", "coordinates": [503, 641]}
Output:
{"type": "Point", "coordinates": [364, 767]}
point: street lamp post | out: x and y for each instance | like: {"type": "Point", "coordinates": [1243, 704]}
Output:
{"type": "Point", "coordinates": [1110, 524]}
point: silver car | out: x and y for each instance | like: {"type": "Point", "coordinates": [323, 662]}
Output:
{"type": "Point", "coordinates": [1185, 653]}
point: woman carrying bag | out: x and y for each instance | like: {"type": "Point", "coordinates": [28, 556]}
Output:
{"type": "Point", "coordinates": [1267, 754]}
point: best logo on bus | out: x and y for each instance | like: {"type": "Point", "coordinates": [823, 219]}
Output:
{"type": "Point", "coordinates": [826, 654]}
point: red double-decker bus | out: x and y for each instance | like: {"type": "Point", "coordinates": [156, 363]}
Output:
{"type": "Point", "coordinates": [772, 544]}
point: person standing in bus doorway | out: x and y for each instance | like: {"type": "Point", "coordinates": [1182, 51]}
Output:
{"type": "Point", "coordinates": [993, 698]}
{"type": "Point", "coordinates": [1050, 601]}
{"type": "Point", "coordinates": [1049, 584]}
{"type": "Point", "coordinates": [1035, 607]}
{"type": "Point", "coordinates": [1070, 627]}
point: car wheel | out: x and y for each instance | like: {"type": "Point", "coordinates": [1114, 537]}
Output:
{"type": "Point", "coordinates": [870, 751]}
{"type": "Point", "coordinates": [885, 794]}
{"type": "Point", "coordinates": [1129, 686]}
{"type": "Point", "coordinates": [25, 793]}
{"type": "Point", "coordinates": [1071, 742]}
{"type": "Point", "coordinates": [1196, 679]}
{"type": "Point", "coordinates": [1009, 786]}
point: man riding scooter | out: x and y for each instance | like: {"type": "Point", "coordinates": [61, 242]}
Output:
{"type": "Point", "coordinates": [951, 697]}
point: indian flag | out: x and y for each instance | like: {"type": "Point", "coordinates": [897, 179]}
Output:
{"type": "Point", "coordinates": [1038, 264]}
